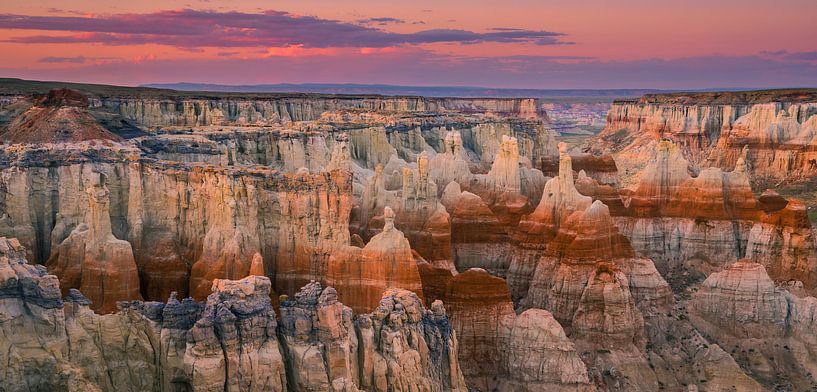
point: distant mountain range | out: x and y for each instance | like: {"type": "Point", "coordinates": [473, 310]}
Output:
{"type": "Point", "coordinates": [385, 89]}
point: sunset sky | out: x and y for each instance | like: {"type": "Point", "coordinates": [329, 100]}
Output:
{"type": "Point", "coordinates": [512, 43]}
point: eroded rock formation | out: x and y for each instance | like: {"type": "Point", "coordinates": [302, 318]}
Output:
{"type": "Point", "coordinates": [230, 342]}
{"type": "Point", "coordinates": [697, 225]}
{"type": "Point", "coordinates": [92, 260]}
{"type": "Point", "coordinates": [713, 130]}
{"type": "Point", "coordinates": [500, 350]}
{"type": "Point", "coordinates": [362, 274]}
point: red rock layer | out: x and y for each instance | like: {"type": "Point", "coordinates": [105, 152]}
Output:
{"type": "Point", "coordinates": [92, 260]}
{"type": "Point", "coordinates": [482, 313]}
{"type": "Point", "coordinates": [361, 275]}
{"type": "Point", "coordinates": [57, 117]}
{"type": "Point", "coordinates": [703, 223]}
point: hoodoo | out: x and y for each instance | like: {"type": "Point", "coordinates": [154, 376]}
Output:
{"type": "Point", "coordinates": [160, 240]}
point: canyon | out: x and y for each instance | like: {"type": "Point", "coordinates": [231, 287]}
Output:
{"type": "Point", "coordinates": [182, 241]}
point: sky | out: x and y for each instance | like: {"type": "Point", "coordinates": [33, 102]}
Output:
{"type": "Point", "coordinates": [682, 44]}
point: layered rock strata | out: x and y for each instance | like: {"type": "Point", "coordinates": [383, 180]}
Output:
{"type": "Point", "coordinates": [361, 275]}
{"type": "Point", "coordinates": [531, 237]}
{"type": "Point", "coordinates": [697, 225]}
{"type": "Point", "coordinates": [500, 350]}
{"type": "Point", "coordinates": [186, 224]}
{"type": "Point", "coordinates": [92, 259]}
{"type": "Point", "coordinates": [776, 127]}
{"type": "Point", "coordinates": [231, 342]}
{"type": "Point", "coordinates": [765, 326]}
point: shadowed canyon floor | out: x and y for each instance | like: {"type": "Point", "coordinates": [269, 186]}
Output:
{"type": "Point", "coordinates": [173, 241]}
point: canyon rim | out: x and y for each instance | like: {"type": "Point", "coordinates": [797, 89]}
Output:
{"type": "Point", "coordinates": [314, 196]}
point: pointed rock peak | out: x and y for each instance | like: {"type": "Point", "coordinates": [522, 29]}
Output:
{"type": "Point", "coordinates": [597, 209]}
{"type": "Point", "coordinates": [565, 164]}
{"type": "Point", "coordinates": [98, 215]}
{"type": "Point", "coordinates": [509, 145]}
{"type": "Point", "coordinates": [422, 165]}
{"type": "Point", "coordinates": [582, 175]}
{"type": "Point", "coordinates": [390, 240]}
{"type": "Point", "coordinates": [257, 265]}
{"type": "Point", "coordinates": [504, 172]}
{"type": "Point", "coordinates": [740, 166]}
{"type": "Point", "coordinates": [388, 219]}
{"type": "Point", "coordinates": [453, 143]}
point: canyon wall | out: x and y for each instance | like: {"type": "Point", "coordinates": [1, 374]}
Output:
{"type": "Point", "coordinates": [187, 224]}
{"type": "Point", "coordinates": [269, 110]}
{"type": "Point", "coordinates": [772, 131]}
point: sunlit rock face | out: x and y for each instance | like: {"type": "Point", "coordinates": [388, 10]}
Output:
{"type": "Point", "coordinates": [698, 225]}
{"type": "Point", "coordinates": [186, 225]}
{"type": "Point", "coordinates": [362, 274]}
{"type": "Point", "coordinates": [776, 129]}
{"type": "Point", "coordinates": [406, 244]}
{"type": "Point", "coordinates": [530, 238]}
{"type": "Point", "coordinates": [485, 208]}
{"type": "Point", "coordinates": [92, 260]}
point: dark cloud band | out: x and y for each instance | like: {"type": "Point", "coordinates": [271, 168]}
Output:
{"type": "Point", "coordinates": [195, 28]}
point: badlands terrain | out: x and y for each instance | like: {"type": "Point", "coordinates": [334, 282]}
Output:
{"type": "Point", "coordinates": [161, 240]}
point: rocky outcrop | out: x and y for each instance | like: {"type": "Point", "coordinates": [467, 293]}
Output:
{"type": "Point", "coordinates": [564, 270]}
{"type": "Point", "coordinates": [419, 215]}
{"type": "Point", "coordinates": [230, 342]}
{"type": "Point", "coordinates": [179, 217]}
{"type": "Point", "coordinates": [742, 301]}
{"type": "Point", "coordinates": [777, 127]}
{"type": "Point", "coordinates": [740, 307]}
{"type": "Point", "coordinates": [483, 315]}
{"type": "Point", "coordinates": [541, 357]}
{"type": "Point", "coordinates": [361, 275]}
{"type": "Point", "coordinates": [535, 230]}
{"type": "Point", "coordinates": [692, 226]}
{"type": "Point", "coordinates": [57, 117]}
{"type": "Point", "coordinates": [609, 329]}
{"type": "Point", "coordinates": [233, 346]}
{"type": "Point", "coordinates": [92, 259]}
{"type": "Point", "coordinates": [274, 109]}
{"type": "Point", "coordinates": [502, 351]}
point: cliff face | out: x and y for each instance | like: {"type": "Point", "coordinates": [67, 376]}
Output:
{"type": "Point", "coordinates": [741, 307]}
{"type": "Point", "coordinates": [775, 136]}
{"type": "Point", "coordinates": [183, 222]}
{"type": "Point", "coordinates": [152, 112]}
{"type": "Point", "coordinates": [230, 342]}
{"type": "Point", "coordinates": [500, 350]}
{"type": "Point", "coordinates": [700, 224]}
